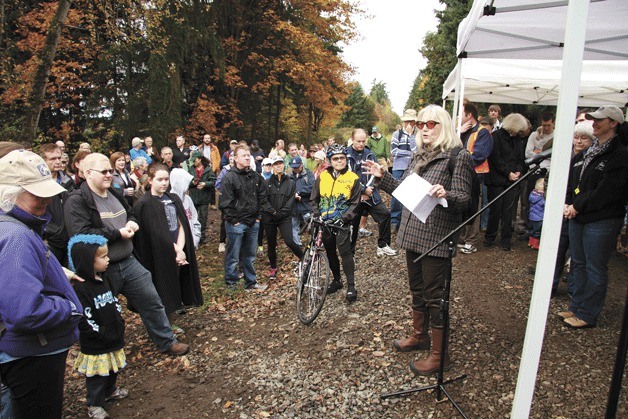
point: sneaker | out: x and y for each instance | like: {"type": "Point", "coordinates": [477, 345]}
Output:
{"type": "Point", "coordinates": [221, 248]}
{"type": "Point", "coordinates": [386, 251]}
{"type": "Point", "coordinates": [272, 273]}
{"type": "Point", "coordinates": [352, 295]}
{"type": "Point", "coordinates": [460, 245]}
{"type": "Point", "coordinates": [256, 287]}
{"type": "Point", "coordinates": [118, 394]}
{"type": "Point", "coordinates": [260, 249]}
{"type": "Point", "coordinates": [468, 249]}
{"type": "Point", "coordinates": [334, 286]}
{"type": "Point", "coordinates": [97, 412]}
{"type": "Point", "coordinates": [178, 349]}
{"type": "Point", "coordinates": [364, 233]}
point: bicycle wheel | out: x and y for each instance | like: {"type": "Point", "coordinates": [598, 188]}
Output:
{"type": "Point", "coordinates": [312, 287]}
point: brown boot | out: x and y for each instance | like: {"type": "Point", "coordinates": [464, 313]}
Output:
{"type": "Point", "coordinates": [429, 365]}
{"type": "Point", "coordinates": [419, 340]}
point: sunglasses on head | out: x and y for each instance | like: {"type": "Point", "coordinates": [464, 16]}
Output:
{"type": "Point", "coordinates": [103, 172]}
{"type": "Point", "coordinates": [430, 124]}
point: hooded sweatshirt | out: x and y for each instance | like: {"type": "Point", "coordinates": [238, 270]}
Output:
{"type": "Point", "coordinates": [179, 184]}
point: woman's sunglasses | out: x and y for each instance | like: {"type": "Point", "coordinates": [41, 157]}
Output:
{"type": "Point", "coordinates": [430, 124]}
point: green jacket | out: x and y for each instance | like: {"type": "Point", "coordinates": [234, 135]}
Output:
{"type": "Point", "coordinates": [379, 146]}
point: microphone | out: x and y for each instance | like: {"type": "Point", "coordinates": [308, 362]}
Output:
{"type": "Point", "coordinates": [537, 158]}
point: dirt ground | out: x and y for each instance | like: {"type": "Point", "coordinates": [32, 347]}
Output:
{"type": "Point", "coordinates": [251, 358]}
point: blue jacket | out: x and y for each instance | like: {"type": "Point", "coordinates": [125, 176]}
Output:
{"type": "Point", "coordinates": [355, 159]}
{"type": "Point", "coordinates": [537, 205]}
{"type": "Point", "coordinates": [38, 306]}
{"type": "Point", "coordinates": [140, 153]}
{"type": "Point", "coordinates": [304, 183]}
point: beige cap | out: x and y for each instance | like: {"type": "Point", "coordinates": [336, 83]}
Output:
{"type": "Point", "coordinates": [611, 112]}
{"type": "Point", "coordinates": [136, 141]}
{"type": "Point", "coordinates": [409, 115]}
{"type": "Point", "coordinates": [28, 170]}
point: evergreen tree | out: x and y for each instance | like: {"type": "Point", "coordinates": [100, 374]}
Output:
{"type": "Point", "coordinates": [360, 110]}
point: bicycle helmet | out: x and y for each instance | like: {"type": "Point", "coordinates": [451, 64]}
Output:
{"type": "Point", "coordinates": [336, 149]}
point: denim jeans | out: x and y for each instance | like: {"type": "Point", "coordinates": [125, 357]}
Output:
{"type": "Point", "coordinates": [241, 248]}
{"type": "Point", "coordinates": [591, 246]}
{"type": "Point", "coordinates": [395, 206]}
{"type": "Point", "coordinates": [296, 221]}
{"type": "Point", "coordinates": [5, 402]}
{"type": "Point", "coordinates": [130, 278]}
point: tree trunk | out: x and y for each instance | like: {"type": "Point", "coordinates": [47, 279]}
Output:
{"type": "Point", "coordinates": [38, 91]}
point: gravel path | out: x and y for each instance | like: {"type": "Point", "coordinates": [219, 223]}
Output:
{"type": "Point", "coordinates": [252, 358]}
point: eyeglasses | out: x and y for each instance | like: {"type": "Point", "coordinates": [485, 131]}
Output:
{"type": "Point", "coordinates": [103, 172]}
{"type": "Point", "coordinates": [430, 124]}
{"type": "Point", "coordinates": [338, 158]}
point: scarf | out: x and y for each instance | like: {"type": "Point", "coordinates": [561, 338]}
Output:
{"type": "Point", "coordinates": [595, 150]}
{"type": "Point", "coordinates": [421, 157]}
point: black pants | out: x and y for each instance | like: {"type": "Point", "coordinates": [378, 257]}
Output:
{"type": "Point", "coordinates": [342, 240]}
{"type": "Point", "coordinates": [201, 209]}
{"type": "Point", "coordinates": [501, 212]}
{"type": "Point", "coordinates": [99, 387]}
{"type": "Point", "coordinates": [426, 280]}
{"type": "Point", "coordinates": [381, 215]}
{"type": "Point", "coordinates": [285, 228]}
{"type": "Point", "coordinates": [223, 231]}
{"type": "Point", "coordinates": [36, 384]}
{"type": "Point", "coordinates": [260, 235]}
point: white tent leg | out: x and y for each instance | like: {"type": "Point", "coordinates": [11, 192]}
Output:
{"type": "Point", "coordinates": [577, 15]}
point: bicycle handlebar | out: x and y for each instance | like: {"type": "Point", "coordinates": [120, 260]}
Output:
{"type": "Point", "coordinates": [328, 224]}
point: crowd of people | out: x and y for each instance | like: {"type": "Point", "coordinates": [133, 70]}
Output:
{"type": "Point", "coordinates": [78, 233]}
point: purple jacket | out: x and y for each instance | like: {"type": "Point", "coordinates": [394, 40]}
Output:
{"type": "Point", "coordinates": [38, 306]}
{"type": "Point", "coordinates": [537, 205]}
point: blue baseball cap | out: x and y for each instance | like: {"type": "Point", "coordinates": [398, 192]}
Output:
{"type": "Point", "coordinates": [295, 162]}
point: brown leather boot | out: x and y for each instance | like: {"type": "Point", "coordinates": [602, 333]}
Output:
{"type": "Point", "coordinates": [419, 340]}
{"type": "Point", "coordinates": [429, 365]}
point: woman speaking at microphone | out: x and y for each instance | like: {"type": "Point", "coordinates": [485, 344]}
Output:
{"type": "Point", "coordinates": [437, 145]}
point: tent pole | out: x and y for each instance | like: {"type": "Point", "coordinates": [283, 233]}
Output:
{"type": "Point", "coordinates": [457, 91]}
{"type": "Point", "coordinates": [577, 15]}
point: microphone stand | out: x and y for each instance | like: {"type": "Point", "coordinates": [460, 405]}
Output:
{"type": "Point", "coordinates": [444, 303]}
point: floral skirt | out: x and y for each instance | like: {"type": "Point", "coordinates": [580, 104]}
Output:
{"type": "Point", "coordinates": [92, 365]}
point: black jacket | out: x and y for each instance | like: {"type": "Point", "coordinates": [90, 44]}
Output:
{"type": "Point", "coordinates": [101, 327]}
{"type": "Point", "coordinates": [506, 157]}
{"type": "Point", "coordinates": [280, 197]}
{"type": "Point", "coordinates": [82, 216]}
{"type": "Point", "coordinates": [602, 192]}
{"type": "Point", "coordinates": [243, 196]}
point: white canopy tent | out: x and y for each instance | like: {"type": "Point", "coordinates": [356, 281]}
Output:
{"type": "Point", "coordinates": [496, 80]}
{"type": "Point", "coordinates": [571, 31]}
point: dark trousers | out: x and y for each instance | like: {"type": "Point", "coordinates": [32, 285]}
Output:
{"type": "Point", "coordinates": [260, 235]}
{"type": "Point", "coordinates": [36, 384]}
{"type": "Point", "coordinates": [99, 387]}
{"type": "Point", "coordinates": [285, 228]}
{"type": "Point", "coordinates": [380, 215]}
{"type": "Point", "coordinates": [342, 240]}
{"type": "Point", "coordinates": [212, 196]}
{"type": "Point", "coordinates": [426, 280]}
{"type": "Point", "coordinates": [501, 213]}
{"type": "Point", "coordinates": [202, 218]}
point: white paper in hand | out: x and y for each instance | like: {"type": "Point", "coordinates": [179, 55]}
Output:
{"type": "Point", "coordinates": [413, 194]}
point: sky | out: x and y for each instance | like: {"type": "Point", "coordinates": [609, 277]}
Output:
{"type": "Point", "coordinates": [387, 48]}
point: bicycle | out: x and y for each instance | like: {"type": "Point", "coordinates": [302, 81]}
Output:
{"type": "Point", "coordinates": [314, 276]}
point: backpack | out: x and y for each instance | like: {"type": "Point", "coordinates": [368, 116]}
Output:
{"type": "Point", "coordinates": [475, 186]}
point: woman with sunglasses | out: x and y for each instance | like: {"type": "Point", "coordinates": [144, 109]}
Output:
{"type": "Point", "coordinates": [437, 144]}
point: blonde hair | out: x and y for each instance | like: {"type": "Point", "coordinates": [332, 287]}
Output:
{"type": "Point", "coordinates": [539, 185]}
{"type": "Point", "coordinates": [515, 123]}
{"type": "Point", "coordinates": [447, 138]}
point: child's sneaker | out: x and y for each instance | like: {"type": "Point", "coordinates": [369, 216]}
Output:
{"type": "Point", "coordinates": [97, 412]}
{"type": "Point", "coordinates": [118, 394]}
{"type": "Point", "coordinates": [272, 273]}
{"type": "Point", "coordinates": [222, 248]}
